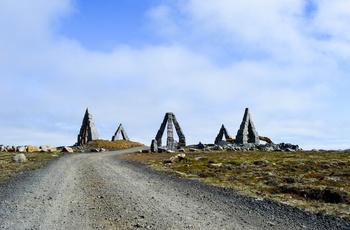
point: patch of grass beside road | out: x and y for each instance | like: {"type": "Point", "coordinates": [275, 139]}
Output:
{"type": "Point", "coordinates": [35, 160]}
{"type": "Point", "coordinates": [316, 181]}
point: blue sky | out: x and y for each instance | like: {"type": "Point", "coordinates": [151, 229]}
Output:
{"type": "Point", "coordinates": [131, 61]}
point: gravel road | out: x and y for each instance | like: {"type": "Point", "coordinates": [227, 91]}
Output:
{"type": "Point", "coordinates": [102, 191]}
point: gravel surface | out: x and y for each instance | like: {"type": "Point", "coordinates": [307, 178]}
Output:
{"type": "Point", "coordinates": [102, 191]}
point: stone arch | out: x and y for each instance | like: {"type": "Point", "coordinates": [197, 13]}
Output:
{"type": "Point", "coordinates": [121, 131]}
{"type": "Point", "coordinates": [223, 132]}
{"type": "Point", "coordinates": [169, 120]}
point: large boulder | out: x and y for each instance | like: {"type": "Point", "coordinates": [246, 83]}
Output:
{"type": "Point", "coordinates": [3, 148]}
{"type": "Point", "coordinates": [19, 158]}
{"type": "Point", "coordinates": [162, 149]}
{"type": "Point", "coordinates": [218, 148]}
{"type": "Point", "coordinates": [31, 148]}
{"type": "Point", "coordinates": [43, 148]}
{"type": "Point", "coordinates": [51, 148]}
{"type": "Point", "coordinates": [285, 146]}
{"type": "Point", "coordinates": [223, 143]}
{"type": "Point", "coordinates": [21, 149]}
{"type": "Point", "coordinates": [67, 149]}
{"type": "Point", "coordinates": [201, 146]}
{"type": "Point", "coordinates": [154, 146]}
{"type": "Point", "coordinates": [181, 157]}
{"type": "Point", "coordinates": [11, 148]}
{"type": "Point", "coordinates": [47, 148]}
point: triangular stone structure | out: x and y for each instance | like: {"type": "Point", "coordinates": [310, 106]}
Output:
{"type": "Point", "coordinates": [223, 132]}
{"type": "Point", "coordinates": [119, 131]}
{"type": "Point", "coordinates": [88, 131]}
{"type": "Point", "coordinates": [247, 133]}
{"type": "Point", "coordinates": [170, 119]}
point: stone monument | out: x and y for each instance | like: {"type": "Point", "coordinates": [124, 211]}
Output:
{"type": "Point", "coordinates": [222, 132]}
{"type": "Point", "coordinates": [170, 119]}
{"type": "Point", "coordinates": [119, 131]}
{"type": "Point", "coordinates": [88, 131]}
{"type": "Point", "coordinates": [247, 133]}
{"type": "Point", "coordinates": [154, 146]}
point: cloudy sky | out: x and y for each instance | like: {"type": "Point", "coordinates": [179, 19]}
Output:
{"type": "Point", "coordinates": [131, 61]}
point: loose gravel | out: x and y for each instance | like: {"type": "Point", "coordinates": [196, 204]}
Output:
{"type": "Point", "coordinates": [102, 191]}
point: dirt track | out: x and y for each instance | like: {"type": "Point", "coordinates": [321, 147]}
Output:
{"type": "Point", "coordinates": [101, 191]}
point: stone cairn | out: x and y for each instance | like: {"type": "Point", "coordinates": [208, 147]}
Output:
{"type": "Point", "coordinates": [247, 139]}
{"type": "Point", "coordinates": [88, 131]}
{"type": "Point", "coordinates": [247, 133]}
{"type": "Point", "coordinates": [121, 131]}
{"type": "Point", "coordinates": [223, 132]}
{"type": "Point", "coordinates": [169, 120]}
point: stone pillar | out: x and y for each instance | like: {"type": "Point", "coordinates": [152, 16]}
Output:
{"type": "Point", "coordinates": [182, 139]}
{"type": "Point", "coordinates": [154, 146]}
{"type": "Point", "coordinates": [161, 130]}
{"type": "Point", "coordinates": [170, 133]}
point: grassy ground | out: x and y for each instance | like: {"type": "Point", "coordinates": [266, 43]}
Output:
{"type": "Point", "coordinates": [36, 160]}
{"type": "Point", "coordinates": [112, 145]}
{"type": "Point", "coordinates": [316, 181]}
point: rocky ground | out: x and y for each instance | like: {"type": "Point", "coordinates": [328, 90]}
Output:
{"type": "Point", "coordinates": [102, 191]}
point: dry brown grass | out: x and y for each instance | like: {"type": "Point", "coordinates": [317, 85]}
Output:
{"type": "Point", "coordinates": [112, 145]}
{"type": "Point", "coordinates": [315, 181]}
{"type": "Point", "coordinates": [36, 160]}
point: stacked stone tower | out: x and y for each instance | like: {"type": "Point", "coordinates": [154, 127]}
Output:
{"type": "Point", "coordinates": [247, 133]}
{"type": "Point", "coordinates": [88, 131]}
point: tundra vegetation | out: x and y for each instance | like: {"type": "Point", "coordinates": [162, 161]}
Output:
{"type": "Point", "coordinates": [316, 181]}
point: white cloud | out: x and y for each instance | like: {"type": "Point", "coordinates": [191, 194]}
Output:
{"type": "Point", "coordinates": [217, 59]}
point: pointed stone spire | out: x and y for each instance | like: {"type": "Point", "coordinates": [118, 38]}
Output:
{"type": "Point", "coordinates": [119, 131]}
{"type": "Point", "coordinates": [222, 132]}
{"type": "Point", "coordinates": [247, 133]}
{"type": "Point", "coordinates": [88, 131]}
